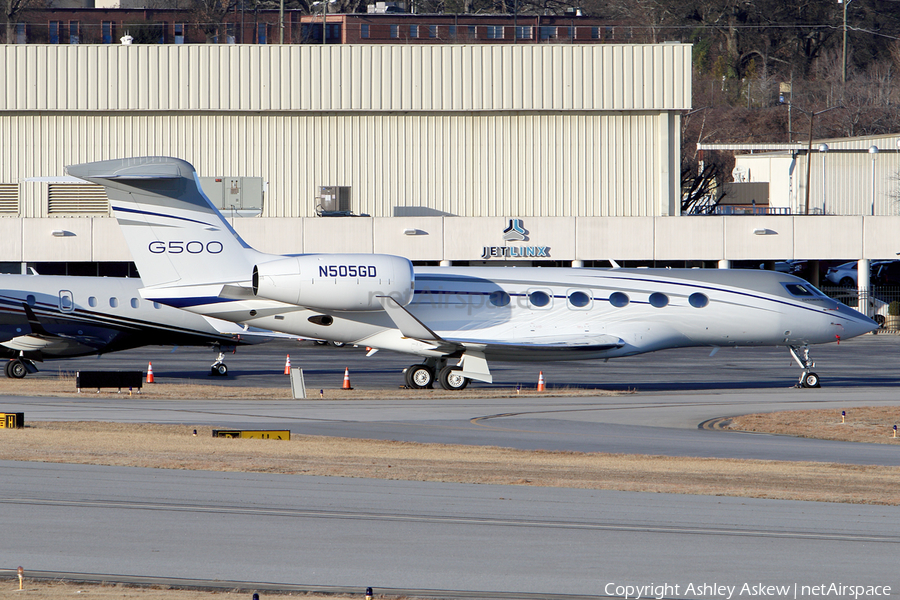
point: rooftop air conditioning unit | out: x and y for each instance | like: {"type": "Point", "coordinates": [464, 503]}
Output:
{"type": "Point", "coordinates": [334, 199]}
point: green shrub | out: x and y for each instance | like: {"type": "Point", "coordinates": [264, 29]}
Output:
{"type": "Point", "coordinates": [894, 308]}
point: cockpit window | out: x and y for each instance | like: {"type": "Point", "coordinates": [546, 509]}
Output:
{"type": "Point", "coordinates": [798, 289]}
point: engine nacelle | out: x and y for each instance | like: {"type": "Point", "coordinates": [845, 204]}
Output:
{"type": "Point", "coordinates": [336, 281]}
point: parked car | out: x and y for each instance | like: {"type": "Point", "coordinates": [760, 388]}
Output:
{"type": "Point", "coordinates": [886, 274]}
{"type": "Point", "coordinates": [844, 274]}
{"type": "Point", "coordinates": [882, 272]}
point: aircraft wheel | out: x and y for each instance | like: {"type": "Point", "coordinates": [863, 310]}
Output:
{"type": "Point", "coordinates": [321, 343]}
{"type": "Point", "coordinates": [452, 380]}
{"type": "Point", "coordinates": [419, 377]}
{"type": "Point", "coordinates": [16, 369]}
{"type": "Point", "coordinates": [338, 344]}
{"type": "Point", "coordinates": [219, 369]}
{"type": "Point", "coordinates": [810, 380]}
{"type": "Point", "coordinates": [7, 367]}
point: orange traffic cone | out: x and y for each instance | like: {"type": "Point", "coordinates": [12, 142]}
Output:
{"type": "Point", "coordinates": [287, 365]}
{"type": "Point", "coordinates": [347, 379]}
{"type": "Point", "coordinates": [540, 387]}
{"type": "Point", "coordinates": [149, 372]}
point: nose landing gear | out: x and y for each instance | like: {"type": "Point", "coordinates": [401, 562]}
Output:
{"type": "Point", "coordinates": [808, 379]}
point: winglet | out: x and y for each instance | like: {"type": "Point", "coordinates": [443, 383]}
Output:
{"type": "Point", "coordinates": [408, 325]}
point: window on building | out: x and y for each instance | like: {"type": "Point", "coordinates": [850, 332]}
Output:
{"type": "Point", "coordinates": [523, 32]}
{"type": "Point", "coordinates": [74, 38]}
{"type": "Point", "coordinates": [106, 32]}
{"type": "Point", "coordinates": [432, 31]}
{"type": "Point", "coordinates": [413, 31]}
{"type": "Point", "coordinates": [364, 30]}
{"type": "Point", "coordinates": [452, 32]}
{"type": "Point", "coordinates": [473, 32]}
{"type": "Point", "coordinates": [608, 33]}
{"type": "Point", "coordinates": [334, 31]}
{"type": "Point", "coordinates": [261, 31]}
{"type": "Point", "coordinates": [395, 31]}
{"type": "Point", "coordinates": [53, 35]}
{"type": "Point", "coordinates": [21, 38]}
{"type": "Point", "coordinates": [494, 32]}
{"type": "Point", "coordinates": [179, 33]}
{"type": "Point", "coordinates": [548, 33]}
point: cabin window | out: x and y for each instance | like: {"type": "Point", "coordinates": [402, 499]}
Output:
{"type": "Point", "coordinates": [30, 300]}
{"type": "Point", "coordinates": [499, 298]}
{"type": "Point", "coordinates": [135, 303]}
{"type": "Point", "coordinates": [157, 305]}
{"type": "Point", "coordinates": [618, 299]}
{"type": "Point", "coordinates": [113, 302]}
{"type": "Point", "coordinates": [579, 299]}
{"type": "Point", "coordinates": [92, 301]}
{"type": "Point", "coordinates": [659, 300]}
{"type": "Point", "coordinates": [539, 299]}
{"type": "Point", "coordinates": [698, 300]}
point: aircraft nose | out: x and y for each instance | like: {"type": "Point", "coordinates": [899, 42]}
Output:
{"type": "Point", "coordinates": [854, 322]}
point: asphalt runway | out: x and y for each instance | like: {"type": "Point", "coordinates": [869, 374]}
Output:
{"type": "Point", "coordinates": [296, 533]}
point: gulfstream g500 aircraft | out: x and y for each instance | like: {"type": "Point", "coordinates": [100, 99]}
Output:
{"type": "Point", "coordinates": [456, 319]}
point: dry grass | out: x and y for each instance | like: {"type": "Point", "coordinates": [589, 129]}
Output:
{"type": "Point", "coordinates": [871, 424]}
{"type": "Point", "coordinates": [175, 447]}
{"type": "Point", "coordinates": [46, 590]}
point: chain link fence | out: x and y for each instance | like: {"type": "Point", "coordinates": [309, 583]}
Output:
{"type": "Point", "coordinates": [877, 299]}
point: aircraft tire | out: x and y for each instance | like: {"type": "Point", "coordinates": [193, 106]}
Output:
{"type": "Point", "coordinates": [16, 369]}
{"type": "Point", "coordinates": [419, 377]}
{"type": "Point", "coordinates": [811, 380]}
{"type": "Point", "coordinates": [451, 380]}
{"type": "Point", "coordinates": [220, 370]}
{"type": "Point", "coordinates": [6, 368]}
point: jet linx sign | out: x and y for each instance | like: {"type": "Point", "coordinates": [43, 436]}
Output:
{"type": "Point", "coordinates": [515, 233]}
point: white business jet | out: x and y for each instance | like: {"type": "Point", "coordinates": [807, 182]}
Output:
{"type": "Point", "coordinates": [456, 319]}
{"type": "Point", "coordinates": [45, 317]}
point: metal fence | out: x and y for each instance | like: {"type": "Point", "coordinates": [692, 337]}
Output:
{"type": "Point", "coordinates": [876, 299]}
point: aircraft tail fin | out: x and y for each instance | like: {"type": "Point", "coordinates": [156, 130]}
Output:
{"type": "Point", "coordinates": [175, 234]}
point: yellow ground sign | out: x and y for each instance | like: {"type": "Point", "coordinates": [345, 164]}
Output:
{"type": "Point", "coordinates": [12, 420]}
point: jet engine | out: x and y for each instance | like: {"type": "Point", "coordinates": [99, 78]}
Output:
{"type": "Point", "coordinates": [335, 281]}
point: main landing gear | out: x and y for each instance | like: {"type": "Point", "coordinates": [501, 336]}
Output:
{"type": "Point", "coordinates": [808, 379]}
{"type": "Point", "coordinates": [422, 376]}
{"type": "Point", "coordinates": [219, 368]}
{"type": "Point", "coordinates": [18, 368]}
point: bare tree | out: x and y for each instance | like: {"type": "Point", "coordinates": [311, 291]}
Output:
{"type": "Point", "coordinates": [13, 10]}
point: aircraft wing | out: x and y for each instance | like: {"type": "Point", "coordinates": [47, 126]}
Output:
{"type": "Point", "coordinates": [413, 328]}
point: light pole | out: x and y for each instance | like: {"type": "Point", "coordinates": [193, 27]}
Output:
{"type": "Point", "coordinates": [811, 115]}
{"type": "Point", "coordinates": [873, 150]}
{"type": "Point", "coordinates": [823, 150]}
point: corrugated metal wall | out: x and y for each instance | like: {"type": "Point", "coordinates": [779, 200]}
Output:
{"type": "Point", "coordinates": [469, 165]}
{"type": "Point", "coordinates": [464, 130]}
{"type": "Point", "coordinates": [344, 77]}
